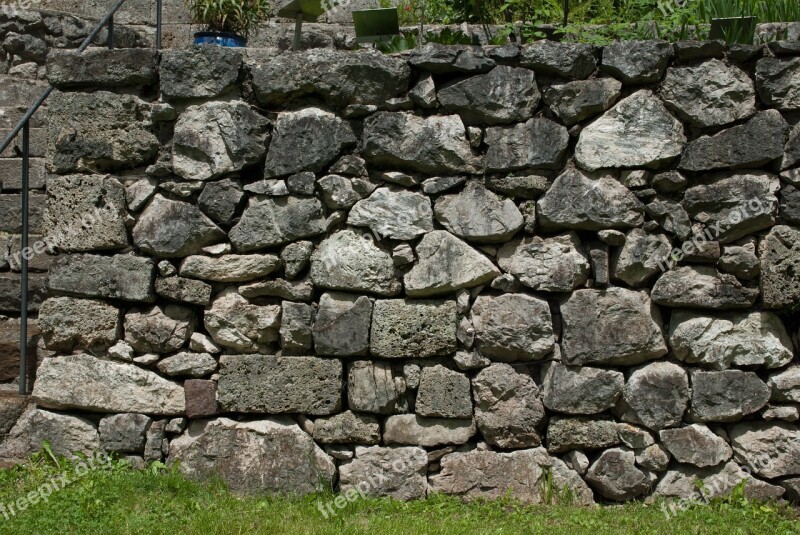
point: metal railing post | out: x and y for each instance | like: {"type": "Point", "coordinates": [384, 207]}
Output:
{"type": "Point", "coordinates": [23, 283]}
{"type": "Point", "coordinates": [158, 24]}
{"type": "Point", "coordinates": [110, 38]}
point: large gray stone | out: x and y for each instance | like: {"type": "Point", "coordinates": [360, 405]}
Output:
{"type": "Point", "coordinates": [124, 433]}
{"type": "Point", "coordinates": [616, 477]}
{"type": "Point", "coordinates": [169, 229]}
{"type": "Point", "coordinates": [507, 407]}
{"type": "Point", "coordinates": [702, 287]}
{"type": "Point", "coordinates": [102, 68]}
{"type": "Point", "coordinates": [88, 383]}
{"type": "Point", "coordinates": [406, 328]}
{"type": "Point", "coordinates": [637, 262]}
{"type": "Point", "coordinates": [588, 202]}
{"type": "Point", "coordinates": [306, 140]}
{"type": "Point", "coordinates": [696, 444]}
{"type": "Point", "coordinates": [513, 327]}
{"type": "Point", "coordinates": [753, 144]}
{"type": "Point", "coordinates": [277, 220]}
{"type": "Point", "coordinates": [221, 200]}
{"type": "Point", "coordinates": [504, 95]}
{"type": "Point", "coordinates": [726, 396]}
{"type": "Point", "coordinates": [233, 322]}
{"type": "Point", "coordinates": [569, 60]}
{"type": "Point", "coordinates": [66, 435]}
{"type": "Point", "coordinates": [435, 144]}
{"type": "Point", "coordinates": [769, 449]}
{"type": "Point", "coordinates": [579, 100]}
{"type": "Point", "coordinates": [637, 62]}
{"type": "Point", "coordinates": [217, 138]}
{"type": "Point", "coordinates": [709, 94]}
{"type": "Point", "coordinates": [397, 472]}
{"type": "Point", "coordinates": [637, 132]}
{"type": "Point", "coordinates": [268, 384]}
{"type": "Point", "coordinates": [445, 265]}
{"type": "Point", "coordinates": [538, 143]}
{"type": "Point", "coordinates": [396, 214]}
{"type": "Point", "coordinates": [85, 213]}
{"type": "Point", "coordinates": [340, 77]}
{"type": "Point", "coordinates": [351, 262]}
{"type": "Point", "coordinates": [427, 432]}
{"type": "Point", "coordinates": [591, 328]}
{"type": "Point", "coordinates": [99, 131]}
{"type": "Point", "coordinates": [443, 393]}
{"type": "Point", "coordinates": [184, 290]}
{"type": "Point", "coordinates": [580, 433]}
{"type": "Point", "coordinates": [347, 428]}
{"type": "Point", "coordinates": [342, 324]}
{"type": "Point", "coordinates": [125, 277]}
{"type": "Point", "coordinates": [295, 331]}
{"type": "Point", "coordinates": [245, 455]}
{"type": "Point", "coordinates": [777, 82]}
{"type": "Point", "coordinates": [476, 214]}
{"type": "Point", "coordinates": [655, 396]}
{"type": "Point", "coordinates": [580, 390]}
{"type": "Point", "coordinates": [791, 153]}
{"type": "Point", "coordinates": [229, 268]}
{"type": "Point", "coordinates": [159, 330]}
{"type": "Point", "coordinates": [703, 484]}
{"type": "Point", "coordinates": [443, 59]}
{"type": "Point", "coordinates": [188, 364]}
{"type": "Point", "coordinates": [372, 386]}
{"type": "Point", "coordinates": [721, 341]}
{"type": "Point", "coordinates": [785, 385]}
{"type": "Point", "coordinates": [780, 267]}
{"type": "Point", "coordinates": [557, 264]}
{"type": "Point", "coordinates": [733, 205]}
{"type": "Point", "coordinates": [67, 324]}
{"type": "Point", "coordinates": [198, 72]}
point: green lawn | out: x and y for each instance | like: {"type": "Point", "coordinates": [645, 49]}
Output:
{"type": "Point", "coordinates": [118, 499]}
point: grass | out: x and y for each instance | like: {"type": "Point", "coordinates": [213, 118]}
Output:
{"type": "Point", "coordinates": [118, 499]}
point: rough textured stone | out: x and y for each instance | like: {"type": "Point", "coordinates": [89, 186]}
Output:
{"type": "Point", "coordinates": [340, 77]}
{"type": "Point", "coordinates": [726, 396]}
{"type": "Point", "coordinates": [785, 385]}
{"type": "Point", "coordinates": [99, 131]}
{"type": "Point", "coordinates": [757, 142]}
{"type": "Point", "coordinates": [88, 383]}
{"type": "Point", "coordinates": [347, 427]}
{"type": "Point", "coordinates": [656, 396]}
{"type": "Point", "coordinates": [780, 267]}
{"type": "Point", "coordinates": [507, 407]}
{"type": "Point", "coordinates": [791, 153]}
{"type": "Point", "coordinates": [637, 62]}
{"type": "Point", "coordinates": [570, 60]}
{"type": "Point", "coordinates": [579, 100]}
{"type": "Point", "coordinates": [445, 265]}
{"type": "Point", "coordinates": [72, 201]}
{"type": "Point", "coordinates": [637, 132]}
{"type": "Point", "coordinates": [637, 262]}
{"type": "Point", "coordinates": [371, 387]}
{"type": "Point", "coordinates": [580, 390]}
{"type": "Point", "coordinates": [295, 331]}
{"type": "Point", "coordinates": [188, 364]}
{"type": "Point", "coordinates": [400, 215]}
{"type": "Point", "coordinates": [123, 432]}
{"type": "Point", "coordinates": [274, 385]}
{"type": "Point", "coordinates": [557, 264]}
{"type": "Point", "coordinates": [276, 221]}
{"type": "Point", "coordinates": [538, 143]}
{"type": "Point", "coordinates": [504, 95]}
{"type": "Point", "coordinates": [233, 322]}
{"type": "Point", "coordinates": [476, 214]}
{"type": "Point", "coordinates": [229, 268]}
{"type": "Point", "coordinates": [159, 330]}
{"type": "Point", "coordinates": [198, 72]}
{"type": "Point", "coordinates": [342, 324]}
{"type": "Point", "coordinates": [777, 82]}
{"type": "Point", "coordinates": [737, 204]}
{"type": "Point", "coordinates": [349, 261]}
{"type": "Point", "coordinates": [413, 328]}
{"type": "Point", "coordinates": [435, 144]}
{"type": "Point", "coordinates": [682, 482]}
{"type": "Point", "coordinates": [790, 205]}
{"type": "Point", "coordinates": [245, 454]}
{"type": "Point", "coordinates": [69, 324]}
{"type": "Point", "coordinates": [742, 339]}
{"type": "Point", "coordinates": [443, 59]}
{"type": "Point", "coordinates": [588, 202]}
{"type": "Point", "coordinates": [184, 290]}
{"type": "Point", "coordinates": [741, 261]}
{"type": "Point", "coordinates": [616, 477]}
{"type": "Point", "coordinates": [696, 444]}
{"type": "Point", "coordinates": [709, 94]}
{"type": "Point", "coordinates": [513, 327]}
{"type": "Point", "coordinates": [67, 435]}
{"type": "Point", "coordinates": [702, 287]}
{"type": "Point", "coordinates": [125, 277]}
{"type": "Point", "coordinates": [397, 472]}
{"type": "Point", "coordinates": [591, 328]}
{"type": "Point", "coordinates": [443, 393]}
{"type": "Point", "coordinates": [769, 449]}
{"type": "Point", "coordinates": [295, 258]}
{"type": "Point", "coordinates": [338, 192]}
{"type": "Point", "coordinates": [427, 432]}
{"type": "Point", "coordinates": [579, 433]}
{"type": "Point", "coordinates": [102, 68]}
{"type": "Point", "coordinates": [201, 398]}
{"type": "Point", "coordinates": [306, 140]}
{"type": "Point", "coordinates": [169, 229]}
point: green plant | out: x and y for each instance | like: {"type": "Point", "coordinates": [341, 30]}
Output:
{"type": "Point", "coordinates": [232, 16]}
{"type": "Point", "coordinates": [398, 43]}
{"type": "Point", "coordinates": [449, 37]}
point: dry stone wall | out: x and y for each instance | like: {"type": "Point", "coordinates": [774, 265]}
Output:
{"type": "Point", "coordinates": [469, 270]}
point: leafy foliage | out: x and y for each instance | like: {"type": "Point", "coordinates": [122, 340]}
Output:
{"type": "Point", "coordinates": [232, 16]}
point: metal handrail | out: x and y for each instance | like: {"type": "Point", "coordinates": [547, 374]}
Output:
{"type": "Point", "coordinates": [24, 126]}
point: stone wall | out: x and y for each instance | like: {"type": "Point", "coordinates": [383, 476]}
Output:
{"type": "Point", "coordinates": [460, 270]}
